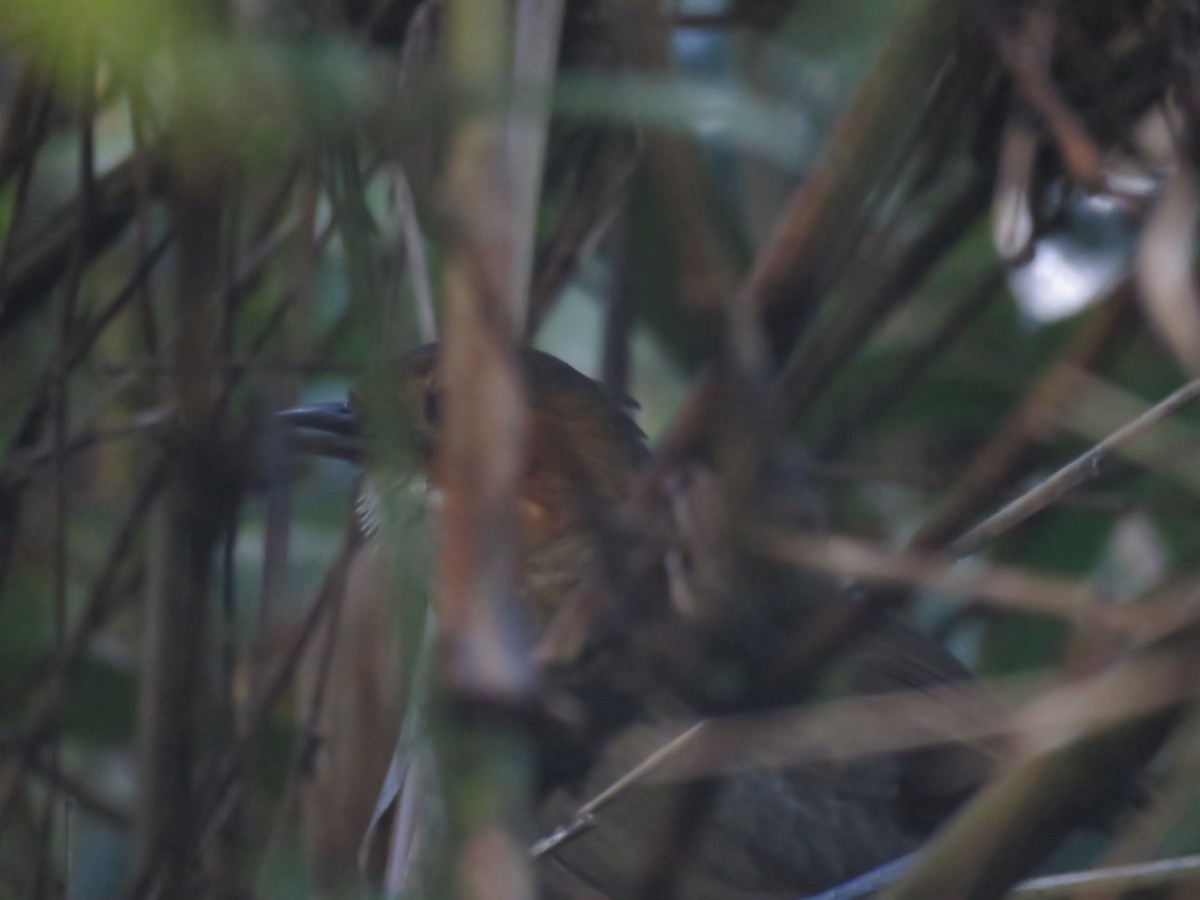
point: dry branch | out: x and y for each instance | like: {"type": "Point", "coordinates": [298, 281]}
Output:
{"type": "Point", "coordinates": [1079, 471]}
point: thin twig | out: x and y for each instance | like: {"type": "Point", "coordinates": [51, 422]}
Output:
{"type": "Point", "coordinates": [308, 740]}
{"type": "Point", "coordinates": [23, 465]}
{"type": "Point", "coordinates": [226, 777]}
{"type": "Point", "coordinates": [1122, 880]}
{"type": "Point", "coordinates": [418, 258]}
{"type": "Point", "coordinates": [82, 793]}
{"type": "Point", "coordinates": [1081, 470]}
{"type": "Point", "coordinates": [853, 323]}
{"type": "Point", "coordinates": [1029, 73]}
{"type": "Point", "coordinates": [867, 726]}
{"type": "Point", "coordinates": [873, 403]}
{"type": "Point", "coordinates": [874, 128]}
{"type": "Point", "coordinates": [584, 818]}
{"type": "Point", "coordinates": [806, 239]}
{"type": "Point", "coordinates": [992, 465]}
{"type": "Point", "coordinates": [1004, 586]}
{"type": "Point", "coordinates": [537, 30]}
{"type": "Point", "coordinates": [43, 258]}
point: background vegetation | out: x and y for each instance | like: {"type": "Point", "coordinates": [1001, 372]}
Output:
{"type": "Point", "coordinates": [967, 230]}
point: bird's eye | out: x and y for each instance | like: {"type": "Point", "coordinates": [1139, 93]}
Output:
{"type": "Point", "coordinates": [432, 407]}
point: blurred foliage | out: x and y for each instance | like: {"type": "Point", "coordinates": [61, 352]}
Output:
{"type": "Point", "coordinates": [306, 123]}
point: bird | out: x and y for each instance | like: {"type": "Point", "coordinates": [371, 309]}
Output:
{"type": "Point", "coordinates": [647, 659]}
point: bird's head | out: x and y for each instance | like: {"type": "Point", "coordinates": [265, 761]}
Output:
{"type": "Point", "coordinates": [582, 450]}
{"type": "Point", "coordinates": [348, 429]}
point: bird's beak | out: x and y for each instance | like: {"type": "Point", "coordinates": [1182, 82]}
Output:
{"type": "Point", "coordinates": [325, 429]}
